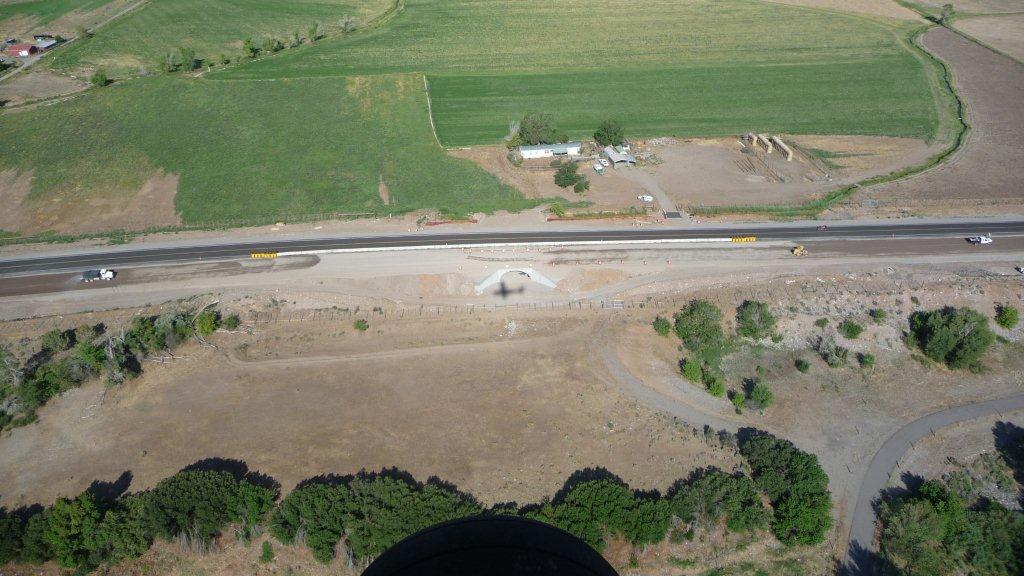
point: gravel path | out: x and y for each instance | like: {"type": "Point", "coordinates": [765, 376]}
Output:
{"type": "Point", "coordinates": [860, 554]}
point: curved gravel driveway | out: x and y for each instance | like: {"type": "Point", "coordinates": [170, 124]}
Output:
{"type": "Point", "coordinates": [860, 551]}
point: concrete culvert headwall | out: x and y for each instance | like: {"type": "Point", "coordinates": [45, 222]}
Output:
{"type": "Point", "coordinates": [496, 277]}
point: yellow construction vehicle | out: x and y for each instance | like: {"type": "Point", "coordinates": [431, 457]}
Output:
{"type": "Point", "coordinates": [799, 250]}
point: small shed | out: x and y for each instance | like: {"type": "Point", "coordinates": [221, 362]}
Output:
{"type": "Point", "coordinates": [21, 49]}
{"type": "Point", "coordinates": [46, 44]}
{"type": "Point", "coordinates": [619, 158]}
{"type": "Point", "coordinates": [550, 150]}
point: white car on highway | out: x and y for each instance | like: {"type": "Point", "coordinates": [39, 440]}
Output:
{"type": "Point", "coordinates": [101, 274]}
{"type": "Point", "coordinates": [986, 239]}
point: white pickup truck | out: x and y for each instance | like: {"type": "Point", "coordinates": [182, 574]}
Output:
{"type": "Point", "coordinates": [101, 274]}
{"type": "Point", "coordinates": [986, 239]}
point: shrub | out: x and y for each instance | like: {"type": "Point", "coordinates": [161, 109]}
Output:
{"type": "Point", "coordinates": [581, 185]}
{"type": "Point", "coordinates": [99, 79]}
{"type": "Point", "coordinates": [57, 340]}
{"type": "Point", "coordinates": [956, 336]}
{"type": "Point", "coordinates": [1007, 317]}
{"type": "Point", "coordinates": [232, 322]}
{"type": "Point", "coordinates": [866, 360]}
{"type": "Point", "coordinates": [609, 133]}
{"type": "Point", "coordinates": [271, 45]}
{"type": "Point", "coordinates": [207, 322]}
{"type": "Point", "coordinates": [850, 329]}
{"type": "Point", "coordinates": [267, 554]}
{"type": "Point", "coordinates": [361, 325]}
{"type": "Point", "coordinates": [662, 325]}
{"type": "Point", "coordinates": [699, 325]}
{"type": "Point", "coordinates": [738, 401]}
{"type": "Point", "coordinates": [754, 320]}
{"type": "Point", "coordinates": [802, 365]}
{"type": "Point", "coordinates": [716, 386]}
{"type": "Point", "coordinates": [712, 494]}
{"type": "Point", "coordinates": [821, 322]}
{"type": "Point", "coordinates": [833, 354]}
{"type": "Point", "coordinates": [878, 315]}
{"type": "Point", "coordinates": [762, 396]}
{"type": "Point", "coordinates": [692, 370]}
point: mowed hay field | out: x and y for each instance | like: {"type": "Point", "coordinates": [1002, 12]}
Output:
{"type": "Point", "coordinates": [246, 150]}
{"type": "Point", "coordinates": [41, 12]}
{"type": "Point", "coordinates": [690, 68]}
{"type": "Point", "coordinates": [138, 42]}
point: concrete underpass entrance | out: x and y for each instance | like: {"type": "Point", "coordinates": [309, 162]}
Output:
{"type": "Point", "coordinates": [495, 279]}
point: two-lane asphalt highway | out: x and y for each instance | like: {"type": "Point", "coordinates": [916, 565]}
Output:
{"type": "Point", "coordinates": [234, 250]}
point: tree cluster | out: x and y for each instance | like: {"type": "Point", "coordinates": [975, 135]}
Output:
{"type": "Point", "coordinates": [958, 337]}
{"type": "Point", "coordinates": [568, 174]}
{"type": "Point", "coordinates": [68, 358]}
{"type": "Point", "coordinates": [795, 484]}
{"type": "Point", "coordinates": [371, 512]}
{"type": "Point", "coordinates": [538, 128]}
{"type": "Point", "coordinates": [87, 531]}
{"type": "Point", "coordinates": [933, 531]}
{"type": "Point", "coordinates": [609, 133]}
{"type": "Point", "coordinates": [365, 514]}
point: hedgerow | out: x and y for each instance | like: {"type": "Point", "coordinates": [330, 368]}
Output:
{"type": "Point", "coordinates": [371, 512]}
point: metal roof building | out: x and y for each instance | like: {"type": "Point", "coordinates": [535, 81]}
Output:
{"type": "Point", "coordinates": [617, 157]}
{"type": "Point", "coordinates": [549, 150]}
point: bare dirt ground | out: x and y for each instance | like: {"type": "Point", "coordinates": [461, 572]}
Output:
{"type": "Point", "coordinates": [717, 171]}
{"type": "Point", "coordinates": [535, 179]}
{"type": "Point", "coordinates": [886, 8]}
{"type": "Point", "coordinates": [984, 177]}
{"type": "Point", "coordinates": [38, 83]}
{"type": "Point", "coordinates": [14, 188]}
{"type": "Point", "coordinates": [1004, 32]}
{"type": "Point", "coordinates": [151, 206]}
{"type": "Point", "coordinates": [723, 171]}
{"type": "Point", "coordinates": [365, 397]}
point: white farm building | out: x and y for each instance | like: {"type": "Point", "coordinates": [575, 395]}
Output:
{"type": "Point", "coordinates": [549, 150]}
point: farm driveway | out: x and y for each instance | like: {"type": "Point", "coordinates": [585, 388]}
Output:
{"type": "Point", "coordinates": [644, 179]}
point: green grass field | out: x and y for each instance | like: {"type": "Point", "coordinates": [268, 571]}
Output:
{"type": "Point", "coordinates": [45, 11]}
{"type": "Point", "coordinates": [314, 129]}
{"type": "Point", "coordinates": [138, 42]}
{"type": "Point", "coordinates": [690, 68]}
{"type": "Point", "coordinates": [251, 150]}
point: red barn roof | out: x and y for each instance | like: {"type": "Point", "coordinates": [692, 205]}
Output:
{"type": "Point", "coordinates": [19, 48]}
